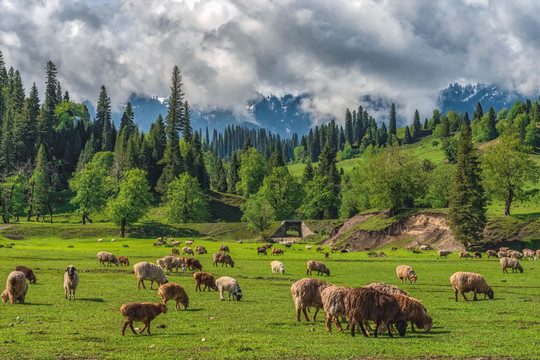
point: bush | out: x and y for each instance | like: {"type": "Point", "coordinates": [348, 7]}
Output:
{"type": "Point", "coordinates": [70, 246]}
{"type": "Point", "coordinates": [372, 253]}
{"type": "Point", "coordinates": [416, 251]}
{"type": "Point", "coordinates": [125, 245]}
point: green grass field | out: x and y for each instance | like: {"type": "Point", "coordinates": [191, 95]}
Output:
{"type": "Point", "coordinates": [262, 325]}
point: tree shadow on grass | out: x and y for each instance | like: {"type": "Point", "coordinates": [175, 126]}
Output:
{"type": "Point", "coordinates": [35, 304]}
{"type": "Point", "coordinates": [154, 229]}
{"type": "Point", "coordinates": [98, 300]}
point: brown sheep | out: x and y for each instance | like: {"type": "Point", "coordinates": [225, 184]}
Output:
{"type": "Point", "coordinates": [502, 254]}
{"type": "Point", "coordinates": [306, 292]}
{"type": "Point", "coordinates": [192, 263]}
{"type": "Point", "coordinates": [504, 248]}
{"type": "Point", "coordinates": [186, 250]}
{"type": "Point", "coordinates": [157, 244]}
{"type": "Point", "coordinates": [443, 253]}
{"type": "Point", "coordinates": [334, 248]}
{"type": "Point", "coordinates": [172, 291]}
{"type": "Point", "coordinates": [464, 254]}
{"type": "Point", "coordinates": [466, 281]}
{"type": "Point", "coordinates": [16, 287]}
{"type": "Point", "coordinates": [405, 272]}
{"type": "Point", "coordinates": [363, 305]}
{"type": "Point", "coordinates": [200, 250]}
{"type": "Point", "coordinates": [175, 251]}
{"type": "Point", "coordinates": [5, 296]}
{"type": "Point", "coordinates": [277, 251]}
{"type": "Point", "coordinates": [224, 248]}
{"type": "Point", "coordinates": [332, 299]}
{"type": "Point", "coordinates": [538, 253]}
{"type": "Point", "coordinates": [319, 249]}
{"type": "Point", "coordinates": [491, 253]}
{"type": "Point", "coordinates": [317, 266]}
{"type": "Point", "coordinates": [414, 312]}
{"type": "Point", "coordinates": [142, 312]}
{"type": "Point", "coordinates": [123, 260]}
{"type": "Point", "coordinates": [510, 263]}
{"type": "Point", "coordinates": [386, 288]}
{"type": "Point", "coordinates": [261, 250]}
{"type": "Point", "coordinates": [394, 248]}
{"type": "Point", "coordinates": [477, 255]}
{"type": "Point", "coordinates": [222, 258]}
{"type": "Point", "coordinates": [28, 273]}
{"type": "Point", "coordinates": [326, 255]}
{"type": "Point", "coordinates": [206, 279]}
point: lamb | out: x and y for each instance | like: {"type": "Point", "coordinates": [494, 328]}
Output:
{"type": "Point", "coordinates": [464, 254]}
{"type": "Point", "coordinates": [363, 305]}
{"type": "Point", "coordinates": [318, 266]}
{"type": "Point", "coordinates": [175, 251]}
{"type": "Point", "coordinates": [386, 288]}
{"type": "Point", "coordinates": [277, 267]}
{"type": "Point", "coordinates": [224, 248]}
{"type": "Point", "coordinates": [491, 253]}
{"type": "Point", "coordinates": [261, 250]}
{"type": "Point", "coordinates": [71, 281]}
{"type": "Point", "coordinates": [528, 253]}
{"type": "Point", "coordinates": [306, 292]}
{"type": "Point", "coordinates": [206, 279]}
{"type": "Point", "coordinates": [104, 256]}
{"type": "Point", "coordinates": [170, 262]}
{"type": "Point", "coordinates": [187, 250]}
{"type": "Point", "coordinates": [172, 291]}
{"type": "Point", "coordinates": [405, 272]}
{"type": "Point", "coordinates": [414, 311]}
{"type": "Point", "coordinates": [230, 285]}
{"type": "Point", "coordinates": [443, 253]}
{"type": "Point", "coordinates": [189, 242]}
{"type": "Point", "coordinates": [332, 298]}
{"type": "Point", "coordinates": [477, 255]}
{"type": "Point", "coordinates": [222, 258]}
{"type": "Point", "coordinates": [277, 251]}
{"type": "Point", "coordinates": [16, 287]}
{"type": "Point", "coordinates": [200, 250]}
{"type": "Point", "coordinates": [143, 312]}
{"type": "Point", "coordinates": [123, 260]}
{"type": "Point", "coordinates": [28, 273]}
{"type": "Point", "coordinates": [510, 263]}
{"type": "Point", "coordinates": [466, 281]}
{"type": "Point", "coordinates": [192, 263]}
{"type": "Point", "coordinates": [148, 271]}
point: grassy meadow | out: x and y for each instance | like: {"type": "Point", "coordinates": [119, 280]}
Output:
{"type": "Point", "coordinates": [262, 325]}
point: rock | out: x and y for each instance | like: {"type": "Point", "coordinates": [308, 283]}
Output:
{"type": "Point", "coordinates": [203, 339]}
{"type": "Point", "coordinates": [18, 318]}
{"type": "Point", "coordinates": [10, 325]}
{"type": "Point", "coordinates": [212, 318]}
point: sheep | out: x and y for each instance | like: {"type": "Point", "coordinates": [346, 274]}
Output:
{"type": "Point", "coordinates": [175, 251]}
{"type": "Point", "coordinates": [326, 255]}
{"type": "Point", "coordinates": [510, 263]}
{"type": "Point", "coordinates": [224, 248]}
{"type": "Point", "coordinates": [319, 249]}
{"type": "Point", "coordinates": [99, 240]}
{"type": "Point", "coordinates": [464, 254]}
{"type": "Point", "coordinates": [317, 266]}
{"type": "Point", "coordinates": [187, 250]}
{"type": "Point", "coordinates": [394, 248]}
{"type": "Point", "coordinates": [334, 248]}
{"type": "Point", "coordinates": [277, 251]}
{"type": "Point", "coordinates": [502, 254]}
{"type": "Point", "coordinates": [192, 263]}
{"type": "Point", "coordinates": [409, 247]}
{"type": "Point", "coordinates": [277, 267]}
{"type": "Point", "coordinates": [113, 240]}
{"type": "Point", "coordinates": [175, 243]}
{"type": "Point", "coordinates": [170, 262]}
{"type": "Point", "coordinates": [222, 258]}
{"type": "Point", "coordinates": [425, 247]}
{"type": "Point", "coordinates": [528, 253]}
{"type": "Point", "coordinates": [5, 295]}
{"type": "Point", "coordinates": [477, 255]}
{"type": "Point", "coordinates": [172, 291]}
{"type": "Point", "coordinates": [538, 253]}
{"type": "Point", "coordinates": [105, 256]}
{"type": "Point", "coordinates": [160, 239]}
{"type": "Point", "coordinates": [148, 271]}
{"type": "Point", "coordinates": [206, 279]}
{"type": "Point", "coordinates": [123, 260]}
{"type": "Point", "coordinates": [332, 298]}
{"type": "Point", "coordinates": [517, 255]}
{"type": "Point", "coordinates": [414, 311]}
{"type": "Point", "coordinates": [71, 281]}
{"type": "Point", "coordinates": [308, 247]}
{"type": "Point", "coordinates": [504, 248]}
{"type": "Point", "coordinates": [466, 281]}
{"type": "Point", "coordinates": [143, 312]}
{"type": "Point", "coordinates": [306, 292]}
{"type": "Point", "coordinates": [16, 287]}
{"type": "Point", "coordinates": [261, 250]}
{"type": "Point", "coordinates": [28, 273]}
{"type": "Point", "coordinates": [200, 250]}
{"type": "Point", "coordinates": [189, 242]}
{"type": "Point", "coordinates": [491, 253]}
{"type": "Point", "coordinates": [405, 272]}
{"type": "Point", "coordinates": [230, 285]}
{"type": "Point", "coordinates": [386, 288]}
{"type": "Point", "coordinates": [363, 305]}
{"type": "Point", "coordinates": [158, 244]}
{"type": "Point", "coordinates": [443, 253]}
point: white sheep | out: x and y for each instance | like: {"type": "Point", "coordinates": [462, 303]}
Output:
{"type": "Point", "coordinates": [107, 257]}
{"type": "Point", "coordinates": [230, 285]}
{"type": "Point", "coordinates": [443, 253]}
{"type": "Point", "coordinates": [99, 240]}
{"type": "Point", "coordinates": [405, 272]}
{"type": "Point", "coordinates": [16, 287]}
{"type": "Point", "coordinates": [277, 267]}
{"type": "Point", "coordinates": [333, 304]}
{"type": "Point", "coordinates": [170, 262]}
{"type": "Point", "coordinates": [314, 265]}
{"type": "Point", "coordinates": [466, 281]}
{"type": "Point", "coordinates": [510, 263]}
{"type": "Point", "coordinates": [71, 281]}
{"type": "Point", "coordinates": [148, 271]}
{"type": "Point", "coordinates": [187, 250]}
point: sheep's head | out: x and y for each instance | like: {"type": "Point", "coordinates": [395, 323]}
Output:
{"type": "Point", "coordinates": [71, 270]}
{"type": "Point", "coordinates": [116, 262]}
{"type": "Point", "coordinates": [231, 263]}
{"type": "Point", "coordinates": [490, 293]}
{"type": "Point", "coordinates": [413, 278]}
{"type": "Point", "coordinates": [238, 295]}
{"type": "Point", "coordinates": [163, 308]}
{"type": "Point", "coordinates": [520, 268]}
{"type": "Point", "coordinates": [401, 326]}
{"type": "Point", "coordinates": [428, 323]}
{"type": "Point", "coordinates": [31, 277]}
{"type": "Point", "coordinates": [5, 296]}
{"type": "Point", "coordinates": [327, 271]}
{"type": "Point", "coordinates": [163, 280]}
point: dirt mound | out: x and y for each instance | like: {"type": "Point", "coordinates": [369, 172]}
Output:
{"type": "Point", "coordinates": [417, 229]}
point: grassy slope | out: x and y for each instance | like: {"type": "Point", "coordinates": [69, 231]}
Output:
{"type": "Point", "coordinates": [263, 323]}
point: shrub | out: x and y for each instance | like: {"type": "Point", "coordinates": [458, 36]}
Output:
{"type": "Point", "coordinates": [125, 245]}
{"type": "Point", "coordinates": [70, 246]}
{"type": "Point", "coordinates": [416, 251]}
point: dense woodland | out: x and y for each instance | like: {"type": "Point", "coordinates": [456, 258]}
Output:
{"type": "Point", "coordinates": [49, 144]}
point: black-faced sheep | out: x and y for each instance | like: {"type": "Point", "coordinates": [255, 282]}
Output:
{"type": "Point", "coordinates": [443, 253]}
{"type": "Point", "coordinates": [123, 260]}
{"type": "Point", "coordinates": [148, 271]}
{"type": "Point", "coordinates": [172, 291]}
{"type": "Point", "coordinates": [107, 257]}
{"type": "Point", "coordinates": [224, 248]}
{"type": "Point", "coordinates": [200, 250]}
{"type": "Point", "coordinates": [477, 255]}
{"type": "Point", "coordinates": [28, 273]}
{"type": "Point", "coordinates": [222, 258]}
{"type": "Point", "coordinates": [491, 253]}
{"type": "Point", "coordinates": [466, 281]}
{"type": "Point", "coordinates": [405, 272]}
{"type": "Point", "coordinates": [363, 305]}
{"type": "Point", "coordinates": [206, 279]}
{"type": "Point", "coordinates": [192, 263]}
{"type": "Point", "coordinates": [332, 298]}
{"type": "Point", "coordinates": [261, 250]}
{"type": "Point", "coordinates": [510, 263]}
{"type": "Point", "coordinates": [71, 281]}
{"type": "Point", "coordinates": [386, 288]}
{"type": "Point", "coordinates": [277, 267]}
{"type": "Point", "coordinates": [142, 312]}
{"type": "Point", "coordinates": [414, 312]}
{"type": "Point", "coordinates": [230, 285]}
{"type": "Point", "coordinates": [314, 265]}
{"type": "Point", "coordinates": [16, 287]}
{"type": "Point", "coordinates": [306, 293]}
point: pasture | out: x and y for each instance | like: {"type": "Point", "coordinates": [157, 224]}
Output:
{"type": "Point", "coordinates": [262, 325]}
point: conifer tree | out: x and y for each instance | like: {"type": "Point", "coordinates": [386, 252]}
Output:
{"type": "Point", "coordinates": [232, 177]}
{"type": "Point", "coordinates": [416, 126]}
{"type": "Point", "coordinates": [478, 112]}
{"type": "Point", "coordinates": [187, 132]}
{"type": "Point", "coordinates": [407, 139]}
{"type": "Point", "coordinates": [308, 173]}
{"type": "Point", "coordinates": [348, 126]}
{"type": "Point", "coordinates": [156, 140]}
{"type": "Point", "coordinates": [392, 121]}
{"type": "Point", "coordinates": [492, 120]}
{"type": "Point", "coordinates": [46, 118]}
{"type": "Point", "coordinates": [218, 179]}
{"type": "Point", "coordinates": [41, 185]}
{"type": "Point", "coordinates": [102, 125]}
{"type": "Point", "coordinates": [127, 121]}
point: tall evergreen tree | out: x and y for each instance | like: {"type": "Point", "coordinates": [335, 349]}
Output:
{"type": "Point", "coordinates": [187, 131]}
{"type": "Point", "coordinates": [232, 176]}
{"type": "Point", "coordinates": [127, 120]}
{"type": "Point", "coordinates": [156, 140]}
{"type": "Point", "coordinates": [308, 173]}
{"type": "Point", "coordinates": [41, 185]}
{"type": "Point", "coordinates": [492, 121]}
{"type": "Point", "coordinates": [46, 119]}
{"type": "Point", "coordinates": [392, 121]}
{"type": "Point", "coordinates": [102, 125]}
{"type": "Point", "coordinates": [416, 126]}
{"type": "Point", "coordinates": [478, 112]}
{"type": "Point", "coordinates": [407, 139]}
{"type": "Point", "coordinates": [348, 126]}
{"type": "Point", "coordinates": [218, 179]}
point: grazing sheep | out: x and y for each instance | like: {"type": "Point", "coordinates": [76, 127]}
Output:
{"type": "Point", "coordinates": [363, 305]}
{"type": "Point", "coordinates": [409, 248]}
{"type": "Point", "coordinates": [386, 288]}
{"type": "Point", "coordinates": [288, 245]}
{"type": "Point", "coordinates": [170, 262]}
{"type": "Point", "coordinates": [332, 298]}
{"type": "Point", "coordinates": [175, 243]}
{"type": "Point", "coordinates": [466, 281]}
{"type": "Point", "coordinates": [206, 279]}
{"type": "Point", "coordinates": [528, 254]}
{"type": "Point", "coordinates": [160, 239]}
{"type": "Point", "coordinates": [200, 250]}
{"type": "Point", "coordinates": [367, 249]}
{"type": "Point", "coordinates": [71, 281]}
{"type": "Point", "coordinates": [308, 247]}
{"type": "Point", "coordinates": [317, 266]}
{"type": "Point", "coordinates": [334, 248]}
{"type": "Point", "coordinates": [224, 248]}
{"type": "Point", "coordinates": [261, 250]}
{"type": "Point", "coordinates": [277, 251]}
{"type": "Point", "coordinates": [123, 260]}
{"type": "Point", "coordinates": [277, 267]}
{"type": "Point", "coordinates": [464, 254]}
{"type": "Point", "coordinates": [510, 263]}
{"type": "Point", "coordinates": [142, 312]}
{"type": "Point", "coordinates": [425, 247]}
{"type": "Point", "coordinates": [113, 240]}
{"type": "Point", "coordinates": [172, 291]}
{"type": "Point", "coordinates": [175, 251]}
{"type": "Point", "coordinates": [148, 271]}
{"type": "Point", "coordinates": [158, 244]}
{"type": "Point", "coordinates": [189, 242]}
{"type": "Point", "coordinates": [99, 240]}
{"type": "Point", "coordinates": [502, 254]}
{"type": "Point", "coordinates": [192, 263]}
{"type": "Point", "coordinates": [405, 272]}
{"type": "Point", "coordinates": [222, 258]}
{"type": "Point", "coordinates": [16, 287]}
{"type": "Point", "coordinates": [5, 296]}
{"type": "Point", "coordinates": [187, 250]}
{"type": "Point", "coordinates": [443, 253]}
{"type": "Point", "coordinates": [538, 253]}
{"type": "Point", "coordinates": [504, 248]}
{"type": "Point", "coordinates": [393, 248]}
{"type": "Point", "coordinates": [415, 312]}
{"type": "Point", "coordinates": [319, 249]}
{"type": "Point", "coordinates": [27, 272]}
{"type": "Point", "coordinates": [107, 257]}
{"type": "Point", "coordinates": [230, 285]}
{"type": "Point", "coordinates": [491, 253]}
{"type": "Point", "coordinates": [477, 255]}
{"type": "Point", "coordinates": [306, 292]}
{"type": "Point", "coordinates": [326, 255]}
{"type": "Point", "coordinates": [517, 255]}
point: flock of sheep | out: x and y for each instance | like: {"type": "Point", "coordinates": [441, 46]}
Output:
{"type": "Point", "coordinates": [384, 305]}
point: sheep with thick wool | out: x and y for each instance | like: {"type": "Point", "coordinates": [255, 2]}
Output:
{"type": "Point", "coordinates": [443, 253]}
{"type": "Point", "coordinates": [27, 272]}
{"type": "Point", "coordinates": [405, 272]}
{"type": "Point", "coordinates": [71, 282]}
{"type": "Point", "coordinates": [16, 287]}
{"type": "Point", "coordinates": [224, 259]}
{"type": "Point", "coordinates": [414, 311]}
{"type": "Point", "coordinates": [277, 267]}
{"type": "Point", "coordinates": [463, 282]}
{"type": "Point", "coordinates": [5, 296]}
{"type": "Point", "coordinates": [314, 265]}
{"type": "Point", "coordinates": [199, 249]}
{"type": "Point", "coordinates": [528, 254]}
{"type": "Point", "coordinates": [206, 279]}
{"type": "Point", "coordinates": [123, 260]}
{"type": "Point", "coordinates": [107, 257]}
{"type": "Point", "coordinates": [510, 263]}
{"type": "Point", "coordinates": [148, 271]}
{"type": "Point", "coordinates": [491, 253]}
{"type": "Point", "coordinates": [142, 312]}
{"type": "Point", "coordinates": [226, 283]}
{"type": "Point", "coordinates": [187, 250]}
{"type": "Point", "coordinates": [306, 293]}
{"type": "Point", "coordinates": [171, 262]}
{"type": "Point", "coordinates": [192, 263]}
{"type": "Point", "coordinates": [172, 291]}
{"type": "Point", "coordinates": [333, 301]}
{"type": "Point", "coordinates": [386, 288]}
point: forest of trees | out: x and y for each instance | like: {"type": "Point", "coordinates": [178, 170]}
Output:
{"type": "Point", "coordinates": [50, 144]}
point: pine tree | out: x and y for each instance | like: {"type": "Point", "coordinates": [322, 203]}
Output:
{"type": "Point", "coordinates": [348, 126]}
{"type": "Point", "coordinates": [46, 118]}
{"type": "Point", "coordinates": [308, 173]}
{"type": "Point", "coordinates": [102, 125]}
{"type": "Point", "coordinates": [156, 139]}
{"type": "Point", "coordinates": [466, 214]}
{"type": "Point", "coordinates": [127, 120]}
{"type": "Point", "coordinates": [492, 121]}
{"type": "Point", "coordinates": [466, 119]}
{"type": "Point", "coordinates": [407, 139]}
{"type": "Point", "coordinates": [187, 132]}
{"type": "Point", "coordinates": [41, 189]}
{"type": "Point", "coordinates": [232, 177]}
{"type": "Point", "coordinates": [218, 179]}
{"type": "Point", "coordinates": [392, 121]}
{"type": "Point", "coordinates": [478, 113]}
{"type": "Point", "coordinates": [416, 126]}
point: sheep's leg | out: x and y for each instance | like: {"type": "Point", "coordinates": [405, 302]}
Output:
{"type": "Point", "coordinates": [389, 329]}
{"type": "Point", "coordinates": [65, 291]}
{"type": "Point", "coordinates": [151, 284]}
{"type": "Point", "coordinates": [455, 294]}
{"type": "Point", "coordinates": [315, 315]}
{"type": "Point", "coordinates": [412, 327]}
{"type": "Point", "coordinates": [362, 328]}
{"type": "Point", "coordinates": [298, 313]}
{"type": "Point", "coordinates": [124, 326]}
{"type": "Point", "coordinates": [463, 294]}
{"type": "Point", "coordinates": [327, 323]}
{"type": "Point", "coordinates": [131, 327]}
{"type": "Point", "coordinates": [377, 327]}
{"type": "Point", "coordinates": [305, 313]}
{"type": "Point", "coordinates": [474, 297]}
{"type": "Point", "coordinates": [221, 294]}
{"type": "Point", "coordinates": [352, 324]}
{"type": "Point", "coordinates": [145, 326]}
{"type": "Point", "coordinates": [338, 325]}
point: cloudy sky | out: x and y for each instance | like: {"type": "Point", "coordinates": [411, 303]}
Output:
{"type": "Point", "coordinates": [229, 50]}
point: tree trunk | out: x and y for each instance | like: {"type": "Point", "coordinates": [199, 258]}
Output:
{"type": "Point", "coordinates": [84, 219]}
{"type": "Point", "coordinates": [122, 228]}
{"type": "Point", "coordinates": [50, 212]}
{"type": "Point", "coordinates": [88, 219]}
{"type": "Point", "coordinates": [508, 202]}
{"type": "Point", "coordinates": [29, 214]}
